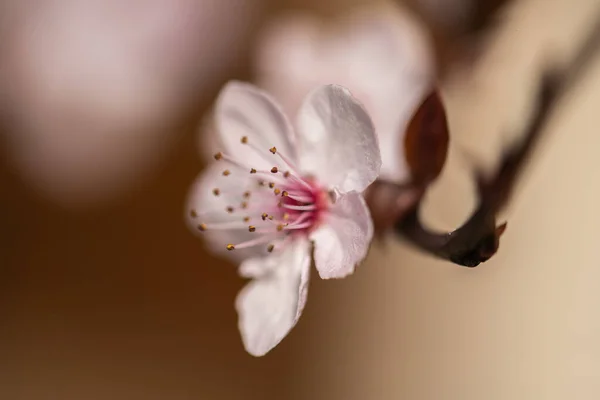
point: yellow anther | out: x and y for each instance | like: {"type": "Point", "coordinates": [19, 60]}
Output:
{"type": "Point", "coordinates": [264, 216]}
{"type": "Point", "coordinates": [247, 194]}
{"type": "Point", "coordinates": [202, 227]}
{"type": "Point", "coordinates": [244, 139]}
{"type": "Point", "coordinates": [271, 248]}
{"type": "Point", "coordinates": [193, 214]}
{"type": "Point", "coordinates": [251, 228]}
{"type": "Point", "coordinates": [244, 204]}
{"type": "Point", "coordinates": [284, 193]}
{"type": "Point", "coordinates": [286, 174]}
{"type": "Point", "coordinates": [226, 172]}
{"type": "Point", "coordinates": [230, 247]}
{"type": "Point", "coordinates": [218, 156]}
{"type": "Point", "coordinates": [274, 170]}
{"type": "Point", "coordinates": [246, 219]}
{"type": "Point", "coordinates": [277, 191]}
{"type": "Point", "coordinates": [280, 227]}
{"type": "Point", "coordinates": [216, 191]}
{"type": "Point", "coordinates": [271, 185]}
{"type": "Point", "coordinates": [229, 209]}
{"type": "Point", "coordinates": [273, 149]}
{"type": "Point", "coordinates": [286, 216]}
{"type": "Point", "coordinates": [270, 218]}
{"type": "Point", "coordinates": [252, 170]}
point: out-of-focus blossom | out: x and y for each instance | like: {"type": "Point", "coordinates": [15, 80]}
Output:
{"type": "Point", "coordinates": [381, 53]}
{"type": "Point", "coordinates": [273, 194]}
{"type": "Point", "coordinates": [92, 89]}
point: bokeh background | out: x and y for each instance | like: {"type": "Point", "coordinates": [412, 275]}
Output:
{"type": "Point", "coordinates": [105, 294]}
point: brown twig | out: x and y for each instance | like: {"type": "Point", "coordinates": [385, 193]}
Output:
{"type": "Point", "coordinates": [478, 239]}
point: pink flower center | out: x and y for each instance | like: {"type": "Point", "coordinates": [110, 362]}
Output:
{"type": "Point", "coordinates": [275, 205]}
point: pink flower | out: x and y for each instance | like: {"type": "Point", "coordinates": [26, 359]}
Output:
{"type": "Point", "coordinates": [273, 194]}
{"type": "Point", "coordinates": [380, 53]}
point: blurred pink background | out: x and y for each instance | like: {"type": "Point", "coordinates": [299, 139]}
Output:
{"type": "Point", "coordinates": [105, 294]}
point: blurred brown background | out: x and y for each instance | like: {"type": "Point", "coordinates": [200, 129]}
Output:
{"type": "Point", "coordinates": [117, 300]}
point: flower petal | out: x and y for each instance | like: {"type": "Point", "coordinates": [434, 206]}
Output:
{"type": "Point", "coordinates": [343, 239]}
{"type": "Point", "coordinates": [204, 207]}
{"type": "Point", "coordinates": [269, 306]}
{"type": "Point", "coordinates": [242, 110]}
{"type": "Point", "coordinates": [337, 141]}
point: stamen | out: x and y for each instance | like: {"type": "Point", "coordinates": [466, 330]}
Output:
{"type": "Point", "coordinates": [270, 248]}
{"type": "Point", "coordinates": [226, 172]}
{"type": "Point", "coordinates": [301, 181]}
{"type": "Point", "coordinates": [273, 149]}
{"type": "Point", "coordinates": [286, 174]}
{"type": "Point", "coordinates": [251, 228]}
{"type": "Point", "coordinates": [286, 216]}
{"type": "Point", "coordinates": [230, 247]}
{"type": "Point", "coordinates": [247, 194]}
{"type": "Point", "coordinates": [271, 185]}
{"type": "Point", "coordinates": [246, 219]}
{"type": "Point", "coordinates": [280, 227]}
{"type": "Point", "coordinates": [258, 150]}
{"type": "Point", "coordinates": [287, 161]}
{"type": "Point", "coordinates": [303, 217]}
{"type": "Point", "coordinates": [299, 226]}
{"type": "Point", "coordinates": [218, 156]}
{"type": "Point", "coordinates": [193, 213]}
{"type": "Point", "coordinates": [232, 160]}
{"type": "Point", "coordinates": [285, 193]}
{"type": "Point", "coordinates": [252, 170]}
{"type": "Point", "coordinates": [244, 204]}
{"type": "Point", "coordinates": [216, 191]}
{"type": "Point", "coordinates": [271, 177]}
{"type": "Point", "coordinates": [277, 191]}
{"type": "Point", "coordinates": [229, 209]}
{"type": "Point", "coordinates": [230, 225]}
{"type": "Point", "coordinates": [251, 243]}
{"type": "Point", "coordinates": [274, 170]}
{"type": "Point", "coordinates": [302, 199]}
{"type": "Point", "coordinates": [264, 216]}
{"type": "Point", "coordinates": [300, 208]}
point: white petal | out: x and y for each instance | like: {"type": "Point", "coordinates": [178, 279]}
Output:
{"type": "Point", "coordinates": [210, 208]}
{"type": "Point", "coordinates": [343, 239]}
{"type": "Point", "coordinates": [269, 306]}
{"type": "Point", "coordinates": [337, 142]}
{"type": "Point", "coordinates": [244, 110]}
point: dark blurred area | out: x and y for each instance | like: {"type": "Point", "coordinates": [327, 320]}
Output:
{"type": "Point", "coordinates": [105, 294]}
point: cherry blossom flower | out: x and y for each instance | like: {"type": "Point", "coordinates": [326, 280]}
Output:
{"type": "Point", "coordinates": [273, 194]}
{"type": "Point", "coordinates": [381, 53]}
